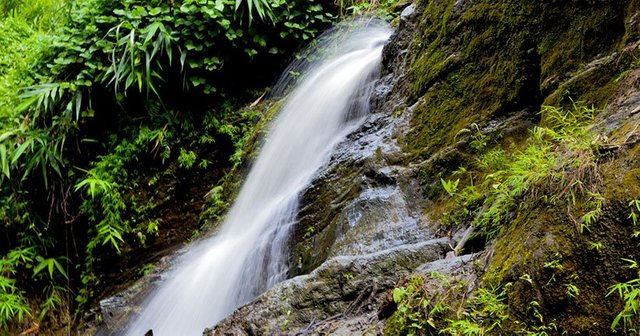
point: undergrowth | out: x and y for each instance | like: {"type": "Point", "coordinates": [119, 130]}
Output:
{"type": "Point", "coordinates": [422, 304]}
{"type": "Point", "coordinates": [439, 304]}
{"type": "Point", "coordinates": [628, 319]}
{"type": "Point", "coordinates": [557, 163]}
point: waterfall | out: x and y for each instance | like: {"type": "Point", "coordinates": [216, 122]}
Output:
{"type": "Point", "coordinates": [249, 254]}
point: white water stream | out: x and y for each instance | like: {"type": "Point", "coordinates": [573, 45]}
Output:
{"type": "Point", "coordinates": [249, 253]}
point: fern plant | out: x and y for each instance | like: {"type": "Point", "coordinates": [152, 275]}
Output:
{"type": "Point", "coordinates": [557, 163]}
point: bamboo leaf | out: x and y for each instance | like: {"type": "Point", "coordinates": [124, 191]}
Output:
{"type": "Point", "coordinates": [139, 76]}
{"type": "Point", "coordinates": [78, 103]}
{"type": "Point", "coordinates": [60, 269]}
{"type": "Point", "coordinates": [54, 164]}
{"type": "Point", "coordinates": [26, 103]}
{"type": "Point", "coordinates": [18, 153]}
{"type": "Point", "coordinates": [6, 135]}
{"type": "Point", "coordinates": [4, 161]}
{"type": "Point", "coordinates": [183, 57]}
{"type": "Point", "coordinates": [41, 265]}
{"type": "Point", "coordinates": [151, 31]}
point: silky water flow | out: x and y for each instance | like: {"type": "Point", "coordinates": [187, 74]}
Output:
{"type": "Point", "coordinates": [249, 254]}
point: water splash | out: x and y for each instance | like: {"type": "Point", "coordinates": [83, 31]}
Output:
{"type": "Point", "coordinates": [249, 253]}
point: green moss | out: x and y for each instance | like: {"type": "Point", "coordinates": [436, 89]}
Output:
{"type": "Point", "coordinates": [597, 84]}
{"type": "Point", "coordinates": [522, 244]}
{"type": "Point", "coordinates": [543, 247]}
{"type": "Point", "coordinates": [481, 60]}
{"type": "Point", "coordinates": [622, 178]}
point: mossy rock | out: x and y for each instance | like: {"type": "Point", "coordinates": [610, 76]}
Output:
{"type": "Point", "coordinates": [475, 61]}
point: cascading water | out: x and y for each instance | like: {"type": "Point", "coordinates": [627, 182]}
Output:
{"type": "Point", "coordinates": [249, 253]}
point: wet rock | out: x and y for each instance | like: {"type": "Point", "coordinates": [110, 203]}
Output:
{"type": "Point", "coordinates": [450, 267]}
{"type": "Point", "coordinates": [633, 25]}
{"type": "Point", "coordinates": [377, 219]}
{"type": "Point", "coordinates": [382, 90]}
{"type": "Point", "coordinates": [408, 13]}
{"type": "Point", "coordinates": [618, 120]}
{"type": "Point", "coordinates": [112, 308]}
{"type": "Point", "coordinates": [361, 201]}
{"type": "Point", "coordinates": [344, 288]}
{"type": "Point", "coordinates": [114, 312]}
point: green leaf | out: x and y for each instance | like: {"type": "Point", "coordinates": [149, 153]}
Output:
{"type": "Point", "coordinates": [398, 294]}
{"type": "Point", "coordinates": [78, 104]}
{"type": "Point", "coordinates": [451, 187]}
{"type": "Point", "coordinates": [139, 76]}
{"type": "Point", "coordinates": [190, 45]}
{"type": "Point", "coordinates": [18, 153]}
{"type": "Point", "coordinates": [155, 11]}
{"type": "Point", "coordinates": [151, 31]}
{"type": "Point", "coordinates": [183, 57]}
{"type": "Point", "coordinates": [4, 161]}
{"type": "Point", "coordinates": [42, 264]}
{"type": "Point", "coordinates": [60, 269]}
{"type": "Point", "coordinates": [6, 135]}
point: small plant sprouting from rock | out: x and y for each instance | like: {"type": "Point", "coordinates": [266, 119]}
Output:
{"type": "Point", "coordinates": [285, 324]}
{"type": "Point", "coordinates": [186, 159]}
{"type": "Point", "coordinates": [572, 290]}
{"type": "Point", "coordinates": [451, 187]}
{"type": "Point", "coordinates": [635, 209]}
{"type": "Point", "coordinates": [483, 314]}
{"type": "Point", "coordinates": [596, 246]}
{"type": "Point", "coordinates": [479, 140]}
{"type": "Point", "coordinates": [554, 264]}
{"type": "Point", "coordinates": [628, 319]}
{"type": "Point", "coordinates": [309, 232]}
{"type": "Point", "coordinates": [591, 217]}
{"type": "Point", "coordinates": [418, 307]}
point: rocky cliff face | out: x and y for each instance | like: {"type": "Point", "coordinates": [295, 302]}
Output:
{"type": "Point", "coordinates": [463, 80]}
